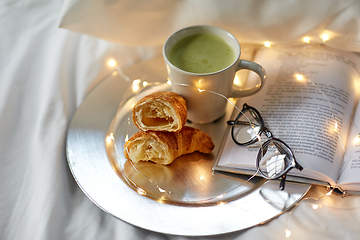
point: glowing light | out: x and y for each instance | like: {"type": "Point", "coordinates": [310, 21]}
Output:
{"type": "Point", "coordinates": [161, 200]}
{"type": "Point", "coordinates": [115, 73]}
{"type": "Point", "coordinates": [315, 206]}
{"type": "Point", "coordinates": [141, 191]}
{"type": "Point", "coordinates": [136, 83]}
{"type": "Point", "coordinates": [325, 37]}
{"type": "Point", "coordinates": [200, 90]}
{"type": "Point", "coordinates": [168, 81]}
{"type": "Point", "coordinates": [267, 44]}
{"type": "Point", "coordinates": [287, 233]}
{"type": "Point", "coordinates": [202, 177]}
{"type": "Point", "coordinates": [135, 88]}
{"type": "Point", "coordinates": [199, 83]}
{"type": "Point", "coordinates": [220, 196]}
{"type": "Point", "coordinates": [329, 193]}
{"type": "Point", "coordinates": [161, 190]}
{"type": "Point", "coordinates": [112, 62]}
{"type": "Point", "coordinates": [145, 84]}
{"type": "Point", "coordinates": [221, 204]}
{"type": "Point", "coordinates": [299, 77]}
{"type": "Point", "coordinates": [357, 139]}
{"type": "Point", "coordinates": [126, 137]}
{"type": "Point", "coordinates": [237, 80]}
{"type": "Point", "coordinates": [110, 138]}
{"type": "Point", "coordinates": [335, 126]}
{"type": "Point", "coordinates": [306, 39]}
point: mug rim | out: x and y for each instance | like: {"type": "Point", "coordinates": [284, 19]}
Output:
{"type": "Point", "coordinates": [237, 58]}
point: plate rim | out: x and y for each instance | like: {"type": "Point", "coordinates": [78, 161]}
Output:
{"type": "Point", "coordinates": [70, 157]}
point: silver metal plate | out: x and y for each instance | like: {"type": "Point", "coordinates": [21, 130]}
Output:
{"type": "Point", "coordinates": [184, 198]}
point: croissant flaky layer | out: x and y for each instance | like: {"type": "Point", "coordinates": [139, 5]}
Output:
{"type": "Point", "coordinates": [160, 111]}
{"type": "Point", "coordinates": [165, 147]}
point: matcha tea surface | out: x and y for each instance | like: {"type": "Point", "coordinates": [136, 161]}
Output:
{"type": "Point", "coordinates": [202, 53]}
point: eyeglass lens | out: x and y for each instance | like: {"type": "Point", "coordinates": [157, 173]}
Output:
{"type": "Point", "coordinates": [274, 159]}
{"type": "Point", "coordinates": [246, 127]}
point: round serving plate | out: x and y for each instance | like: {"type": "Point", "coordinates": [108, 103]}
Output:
{"type": "Point", "coordinates": [184, 198]}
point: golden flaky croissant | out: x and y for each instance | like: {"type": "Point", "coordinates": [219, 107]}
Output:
{"type": "Point", "coordinates": [160, 111]}
{"type": "Point", "coordinates": [165, 147]}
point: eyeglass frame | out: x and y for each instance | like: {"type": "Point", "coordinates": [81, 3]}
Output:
{"type": "Point", "coordinates": [261, 153]}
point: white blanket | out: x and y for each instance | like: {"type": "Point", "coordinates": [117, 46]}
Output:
{"type": "Point", "coordinates": [45, 73]}
{"type": "Point", "coordinates": [149, 23]}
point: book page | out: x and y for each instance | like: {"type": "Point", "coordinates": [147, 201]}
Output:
{"type": "Point", "coordinates": [307, 102]}
{"type": "Point", "coordinates": [350, 172]}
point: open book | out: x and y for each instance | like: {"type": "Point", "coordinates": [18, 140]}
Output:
{"type": "Point", "coordinates": [310, 101]}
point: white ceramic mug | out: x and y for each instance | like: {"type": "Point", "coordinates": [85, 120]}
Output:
{"type": "Point", "coordinates": [203, 105]}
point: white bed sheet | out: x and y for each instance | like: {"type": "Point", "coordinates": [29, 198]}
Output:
{"type": "Point", "coordinates": [45, 73]}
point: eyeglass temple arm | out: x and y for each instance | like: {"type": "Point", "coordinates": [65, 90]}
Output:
{"type": "Point", "coordinates": [232, 122]}
{"type": "Point", "coordinates": [298, 166]}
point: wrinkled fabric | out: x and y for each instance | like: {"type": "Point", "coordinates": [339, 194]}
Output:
{"type": "Point", "coordinates": [45, 74]}
{"type": "Point", "coordinates": [149, 23]}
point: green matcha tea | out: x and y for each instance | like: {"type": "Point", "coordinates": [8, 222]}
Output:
{"type": "Point", "coordinates": [202, 53]}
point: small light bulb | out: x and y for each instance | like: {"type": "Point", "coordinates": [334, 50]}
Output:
{"type": "Point", "coordinates": [329, 193]}
{"type": "Point", "coordinates": [267, 44]}
{"type": "Point", "coordinates": [299, 77]}
{"type": "Point", "coordinates": [136, 81]}
{"type": "Point", "coordinates": [135, 87]}
{"type": "Point", "coordinates": [287, 233]}
{"type": "Point", "coordinates": [357, 139]}
{"type": "Point", "coordinates": [325, 37]}
{"type": "Point", "coordinates": [306, 39]}
{"type": "Point", "coordinates": [112, 62]}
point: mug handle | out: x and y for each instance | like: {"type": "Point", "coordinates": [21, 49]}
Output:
{"type": "Point", "coordinates": [244, 64]}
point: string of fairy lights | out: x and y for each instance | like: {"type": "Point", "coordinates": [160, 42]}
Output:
{"type": "Point", "coordinates": [137, 85]}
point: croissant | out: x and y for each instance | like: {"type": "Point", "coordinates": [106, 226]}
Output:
{"type": "Point", "coordinates": [160, 111]}
{"type": "Point", "coordinates": [165, 147]}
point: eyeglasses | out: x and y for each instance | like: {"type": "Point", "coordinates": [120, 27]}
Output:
{"type": "Point", "coordinates": [275, 158]}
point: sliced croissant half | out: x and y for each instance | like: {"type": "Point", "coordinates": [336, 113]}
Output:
{"type": "Point", "coordinates": [160, 111]}
{"type": "Point", "coordinates": [165, 147]}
